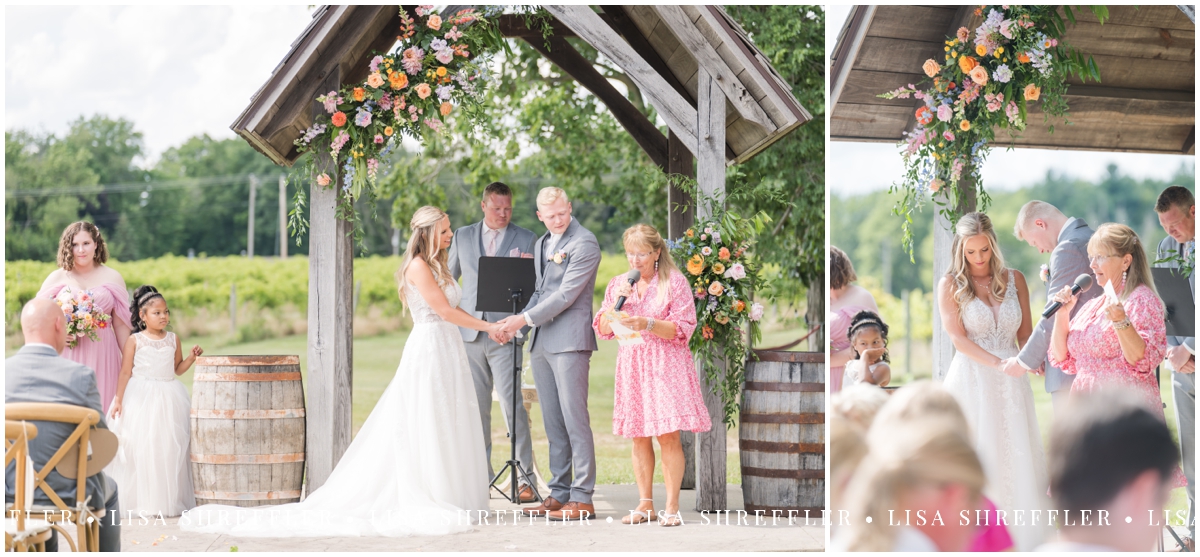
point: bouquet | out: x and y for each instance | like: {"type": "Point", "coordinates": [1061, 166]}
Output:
{"type": "Point", "coordinates": [84, 317]}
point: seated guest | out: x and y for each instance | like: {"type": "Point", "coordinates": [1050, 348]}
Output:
{"type": "Point", "coordinates": [847, 447]}
{"type": "Point", "coordinates": [858, 404]}
{"type": "Point", "coordinates": [1109, 454]}
{"type": "Point", "coordinates": [37, 373]}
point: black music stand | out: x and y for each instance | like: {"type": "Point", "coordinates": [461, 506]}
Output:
{"type": "Point", "coordinates": [505, 285]}
{"type": "Point", "coordinates": [1176, 292]}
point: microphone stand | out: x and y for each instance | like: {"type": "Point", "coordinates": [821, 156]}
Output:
{"type": "Point", "coordinates": [518, 473]}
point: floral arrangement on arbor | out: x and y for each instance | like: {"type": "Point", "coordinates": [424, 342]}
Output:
{"type": "Point", "coordinates": [84, 317]}
{"type": "Point", "coordinates": [987, 80]}
{"type": "Point", "coordinates": [437, 69]}
{"type": "Point", "coordinates": [724, 275]}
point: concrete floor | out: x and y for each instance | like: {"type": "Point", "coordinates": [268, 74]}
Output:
{"type": "Point", "coordinates": [599, 534]}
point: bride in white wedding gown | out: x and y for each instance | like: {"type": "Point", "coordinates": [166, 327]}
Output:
{"type": "Point", "coordinates": [417, 466]}
{"type": "Point", "coordinates": [985, 309]}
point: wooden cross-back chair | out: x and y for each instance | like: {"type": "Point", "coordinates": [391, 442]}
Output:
{"type": "Point", "coordinates": [21, 533]}
{"type": "Point", "coordinates": [85, 515]}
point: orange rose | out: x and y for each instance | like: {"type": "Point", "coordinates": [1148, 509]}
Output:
{"type": "Point", "coordinates": [1023, 58]}
{"type": "Point", "coordinates": [706, 332]}
{"type": "Point", "coordinates": [1032, 92]}
{"type": "Point", "coordinates": [981, 50]}
{"type": "Point", "coordinates": [339, 119]}
{"type": "Point", "coordinates": [979, 75]}
{"type": "Point", "coordinates": [723, 254]}
{"type": "Point", "coordinates": [398, 80]}
{"type": "Point", "coordinates": [375, 80]}
{"type": "Point", "coordinates": [446, 108]}
{"type": "Point", "coordinates": [719, 268]}
{"type": "Point", "coordinates": [434, 22]}
{"type": "Point", "coordinates": [695, 265]}
{"type": "Point", "coordinates": [964, 125]}
{"type": "Point", "coordinates": [716, 289]}
{"type": "Point", "coordinates": [423, 90]}
{"type": "Point", "coordinates": [739, 306]}
{"type": "Point", "coordinates": [931, 67]}
{"type": "Point", "coordinates": [966, 64]}
{"type": "Point", "coordinates": [388, 131]}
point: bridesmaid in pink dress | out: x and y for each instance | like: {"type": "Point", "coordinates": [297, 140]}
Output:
{"type": "Point", "coordinates": [81, 257]}
{"type": "Point", "coordinates": [656, 391]}
{"type": "Point", "coordinates": [845, 300]}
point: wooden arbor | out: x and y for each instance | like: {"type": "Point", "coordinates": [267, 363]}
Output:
{"type": "Point", "coordinates": [721, 99]}
{"type": "Point", "coordinates": [1145, 102]}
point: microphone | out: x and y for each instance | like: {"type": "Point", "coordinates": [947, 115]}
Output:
{"type": "Point", "coordinates": [1082, 282]}
{"type": "Point", "coordinates": [634, 276]}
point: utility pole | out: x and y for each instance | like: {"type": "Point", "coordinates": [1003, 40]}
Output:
{"type": "Point", "coordinates": [283, 235]}
{"type": "Point", "coordinates": [250, 220]}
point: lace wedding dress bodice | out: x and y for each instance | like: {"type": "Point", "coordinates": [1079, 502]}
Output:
{"type": "Point", "coordinates": [421, 312]}
{"type": "Point", "coordinates": [1001, 414]}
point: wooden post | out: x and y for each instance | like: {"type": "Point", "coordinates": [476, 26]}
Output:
{"type": "Point", "coordinates": [710, 170]}
{"type": "Point", "coordinates": [330, 320]}
{"type": "Point", "coordinates": [250, 218]}
{"type": "Point", "coordinates": [943, 237]}
{"type": "Point", "coordinates": [232, 308]}
{"type": "Point", "coordinates": [283, 235]}
{"type": "Point", "coordinates": [815, 314]}
{"type": "Point", "coordinates": [681, 215]}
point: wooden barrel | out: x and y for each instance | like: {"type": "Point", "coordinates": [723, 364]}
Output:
{"type": "Point", "coordinates": [782, 433]}
{"type": "Point", "coordinates": [247, 430]}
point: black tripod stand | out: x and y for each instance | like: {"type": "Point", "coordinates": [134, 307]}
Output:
{"type": "Point", "coordinates": [519, 475]}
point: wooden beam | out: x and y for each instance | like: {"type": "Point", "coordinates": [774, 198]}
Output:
{"type": "Point", "coordinates": [681, 206]}
{"type": "Point", "coordinates": [330, 321]}
{"type": "Point", "coordinates": [643, 131]}
{"type": "Point", "coordinates": [847, 49]}
{"type": "Point", "coordinates": [707, 57]}
{"type": "Point", "coordinates": [711, 478]}
{"type": "Point", "coordinates": [671, 106]}
{"type": "Point", "coordinates": [1189, 144]}
{"type": "Point", "coordinates": [624, 25]}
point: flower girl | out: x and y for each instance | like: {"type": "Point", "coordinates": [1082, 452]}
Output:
{"type": "Point", "coordinates": [868, 336]}
{"type": "Point", "coordinates": [150, 414]}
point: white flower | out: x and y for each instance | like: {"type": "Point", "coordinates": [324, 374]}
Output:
{"type": "Point", "coordinates": [707, 251]}
{"type": "Point", "coordinates": [736, 272]}
{"type": "Point", "coordinates": [756, 311]}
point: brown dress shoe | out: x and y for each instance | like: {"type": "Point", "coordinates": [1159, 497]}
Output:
{"type": "Point", "coordinates": [526, 495]}
{"type": "Point", "coordinates": [547, 505]}
{"type": "Point", "coordinates": [573, 511]}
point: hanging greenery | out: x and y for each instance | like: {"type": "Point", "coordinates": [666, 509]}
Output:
{"type": "Point", "coordinates": [987, 81]}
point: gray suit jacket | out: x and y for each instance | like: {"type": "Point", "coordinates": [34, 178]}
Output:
{"type": "Point", "coordinates": [38, 374]}
{"type": "Point", "coordinates": [465, 251]}
{"type": "Point", "coordinates": [561, 306]}
{"type": "Point", "coordinates": [1167, 248]}
{"type": "Point", "coordinates": [1068, 260]}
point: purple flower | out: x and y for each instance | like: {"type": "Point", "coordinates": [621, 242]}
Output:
{"type": "Point", "coordinates": [437, 44]}
{"type": "Point", "coordinates": [363, 119]}
{"type": "Point", "coordinates": [945, 113]}
{"type": "Point", "coordinates": [444, 55]}
{"type": "Point", "coordinates": [375, 62]}
{"type": "Point", "coordinates": [443, 92]}
{"type": "Point", "coordinates": [1002, 74]}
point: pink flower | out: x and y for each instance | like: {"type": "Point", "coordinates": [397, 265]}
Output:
{"type": "Point", "coordinates": [445, 55]}
{"type": "Point", "coordinates": [433, 123]}
{"type": "Point", "coordinates": [945, 113]}
{"type": "Point", "coordinates": [375, 80]}
{"type": "Point", "coordinates": [756, 311]}
{"type": "Point", "coordinates": [963, 34]}
{"type": "Point", "coordinates": [379, 139]}
{"type": "Point", "coordinates": [736, 272]}
{"type": "Point", "coordinates": [434, 22]}
{"type": "Point", "coordinates": [948, 135]}
{"type": "Point", "coordinates": [330, 100]}
{"type": "Point", "coordinates": [375, 62]}
{"type": "Point", "coordinates": [453, 34]}
{"type": "Point", "coordinates": [323, 180]}
{"type": "Point", "coordinates": [385, 102]}
{"type": "Point", "coordinates": [424, 9]}
{"type": "Point", "coordinates": [411, 60]}
{"type": "Point", "coordinates": [423, 90]}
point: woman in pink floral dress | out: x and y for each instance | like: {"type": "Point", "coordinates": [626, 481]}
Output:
{"type": "Point", "coordinates": [81, 257]}
{"type": "Point", "coordinates": [657, 392]}
{"type": "Point", "coordinates": [1114, 344]}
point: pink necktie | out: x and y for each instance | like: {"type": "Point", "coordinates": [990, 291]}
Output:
{"type": "Point", "coordinates": [491, 249]}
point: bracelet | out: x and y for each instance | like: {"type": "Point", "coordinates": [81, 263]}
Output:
{"type": "Point", "coordinates": [1122, 324]}
{"type": "Point", "coordinates": [650, 324]}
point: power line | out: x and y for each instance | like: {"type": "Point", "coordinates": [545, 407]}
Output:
{"type": "Point", "coordinates": [129, 186]}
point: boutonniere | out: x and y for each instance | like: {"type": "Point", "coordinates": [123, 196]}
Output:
{"type": "Point", "coordinates": [559, 257]}
{"type": "Point", "coordinates": [1045, 273]}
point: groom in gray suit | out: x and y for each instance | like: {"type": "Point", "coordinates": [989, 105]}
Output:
{"type": "Point", "coordinates": [1044, 227]}
{"type": "Point", "coordinates": [492, 363]}
{"type": "Point", "coordinates": [1176, 208]}
{"type": "Point", "coordinates": [566, 258]}
{"type": "Point", "coordinates": [36, 373]}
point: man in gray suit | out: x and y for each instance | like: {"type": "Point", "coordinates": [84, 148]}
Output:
{"type": "Point", "coordinates": [37, 373]}
{"type": "Point", "coordinates": [566, 258]}
{"type": "Point", "coordinates": [1176, 208]}
{"type": "Point", "coordinates": [492, 363]}
{"type": "Point", "coordinates": [1044, 227]}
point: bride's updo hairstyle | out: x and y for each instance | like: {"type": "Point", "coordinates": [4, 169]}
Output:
{"type": "Point", "coordinates": [423, 243]}
{"type": "Point", "coordinates": [970, 225]}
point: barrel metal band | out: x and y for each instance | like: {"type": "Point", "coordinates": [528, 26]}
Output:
{"type": "Point", "coordinates": [286, 376]}
{"type": "Point", "coordinates": [248, 414]}
{"type": "Point", "coordinates": [783, 474]}
{"type": "Point", "coordinates": [778, 447]}
{"type": "Point", "coordinates": [281, 458]}
{"type": "Point", "coordinates": [785, 387]}
{"type": "Point", "coordinates": [803, 418]}
{"type": "Point", "coordinates": [248, 495]}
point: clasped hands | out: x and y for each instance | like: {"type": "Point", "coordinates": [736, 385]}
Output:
{"type": "Point", "coordinates": [505, 329]}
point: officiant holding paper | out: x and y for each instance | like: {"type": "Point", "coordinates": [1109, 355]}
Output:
{"type": "Point", "coordinates": [492, 363]}
{"type": "Point", "coordinates": [657, 391]}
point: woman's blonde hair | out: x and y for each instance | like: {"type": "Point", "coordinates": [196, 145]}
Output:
{"type": "Point", "coordinates": [859, 403]}
{"type": "Point", "coordinates": [916, 401]}
{"type": "Point", "coordinates": [970, 225]}
{"type": "Point", "coordinates": [847, 447]}
{"type": "Point", "coordinates": [925, 452]}
{"type": "Point", "coordinates": [1120, 240]}
{"type": "Point", "coordinates": [66, 256]}
{"type": "Point", "coordinates": [423, 242]}
{"type": "Point", "coordinates": [644, 235]}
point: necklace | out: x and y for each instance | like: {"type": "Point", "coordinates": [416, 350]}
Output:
{"type": "Point", "coordinates": [981, 284]}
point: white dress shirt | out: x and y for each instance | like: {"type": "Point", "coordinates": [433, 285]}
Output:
{"type": "Point", "coordinates": [491, 235]}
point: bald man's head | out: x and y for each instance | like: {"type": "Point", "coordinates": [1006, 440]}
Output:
{"type": "Point", "coordinates": [42, 321]}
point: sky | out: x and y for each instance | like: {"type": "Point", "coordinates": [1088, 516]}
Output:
{"type": "Point", "coordinates": [854, 168]}
{"type": "Point", "coordinates": [174, 71]}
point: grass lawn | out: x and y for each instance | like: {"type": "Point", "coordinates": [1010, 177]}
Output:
{"type": "Point", "coordinates": [376, 358]}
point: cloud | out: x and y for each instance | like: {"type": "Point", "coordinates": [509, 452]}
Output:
{"type": "Point", "coordinates": [175, 71]}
